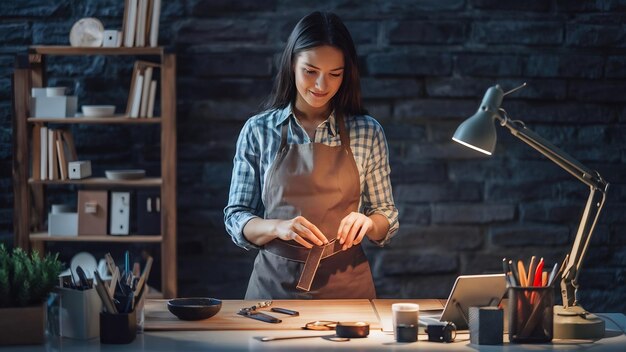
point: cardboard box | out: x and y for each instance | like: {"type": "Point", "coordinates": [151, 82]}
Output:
{"type": "Point", "coordinates": [92, 212]}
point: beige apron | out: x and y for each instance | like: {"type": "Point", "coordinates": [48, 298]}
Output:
{"type": "Point", "coordinates": [321, 183]}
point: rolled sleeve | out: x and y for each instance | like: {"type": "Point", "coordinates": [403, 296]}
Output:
{"type": "Point", "coordinates": [244, 197]}
{"type": "Point", "coordinates": [378, 195]}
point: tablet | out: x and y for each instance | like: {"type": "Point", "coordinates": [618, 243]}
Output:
{"type": "Point", "coordinates": [472, 291]}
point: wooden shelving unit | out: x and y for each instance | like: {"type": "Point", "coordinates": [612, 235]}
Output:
{"type": "Point", "coordinates": [29, 194]}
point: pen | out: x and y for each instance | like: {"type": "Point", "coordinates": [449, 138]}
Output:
{"type": "Point", "coordinates": [538, 273]}
{"type": "Point", "coordinates": [506, 271]}
{"type": "Point", "coordinates": [515, 272]}
{"type": "Point", "coordinates": [553, 274]}
{"type": "Point", "coordinates": [126, 262]}
{"type": "Point", "coordinates": [531, 271]}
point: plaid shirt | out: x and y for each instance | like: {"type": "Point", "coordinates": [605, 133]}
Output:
{"type": "Point", "coordinates": [258, 145]}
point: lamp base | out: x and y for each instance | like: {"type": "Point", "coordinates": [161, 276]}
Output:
{"type": "Point", "coordinates": [576, 323]}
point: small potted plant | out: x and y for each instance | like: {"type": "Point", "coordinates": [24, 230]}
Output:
{"type": "Point", "coordinates": [25, 282]}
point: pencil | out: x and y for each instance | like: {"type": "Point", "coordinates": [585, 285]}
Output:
{"type": "Point", "coordinates": [531, 270]}
{"type": "Point", "coordinates": [522, 273]}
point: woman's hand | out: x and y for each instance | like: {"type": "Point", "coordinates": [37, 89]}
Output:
{"type": "Point", "coordinates": [300, 230]}
{"type": "Point", "coordinates": [353, 228]}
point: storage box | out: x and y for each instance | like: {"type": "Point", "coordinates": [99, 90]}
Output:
{"type": "Point", "coordinates": [120, 213]}
{"type": "Point", "coordinates": [79, 313]}
{"type": "Point", "coordinates": [79, 169]}
{"type": "Point", "coordinates": [148, 212]}
{"type": "Point", "coordinates": [59, 106]}
{"type": "Point", "coordinates": [63, 224]}
{"type": "Point", "coordinates": [92, 212]}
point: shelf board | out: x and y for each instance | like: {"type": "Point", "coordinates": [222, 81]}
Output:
{"type": "Point", "coordinates": [102, 181]}
{"type": "Point", "coordinates": [95, 120]}
{"type": "Point", "coordinates": [69, 50]}
{"type": "Point", "coordinates": [43, 237]}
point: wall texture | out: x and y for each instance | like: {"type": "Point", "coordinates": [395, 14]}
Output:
{"type": "Point", "coordinates": [425, 67]}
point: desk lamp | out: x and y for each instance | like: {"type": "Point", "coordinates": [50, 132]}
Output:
{"type": "Point", "coordinates": [571, 321]}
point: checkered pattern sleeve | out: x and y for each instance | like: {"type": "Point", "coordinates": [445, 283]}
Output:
{"type": "Point", "coordinates": [377, 195]}
{"type": "Point", "coordinates": [244, 198]}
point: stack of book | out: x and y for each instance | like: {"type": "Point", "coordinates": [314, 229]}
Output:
{"type": "Point", "coordinates": [52, 151]}
{"type": "Point", "coordinates": [142, 90]}
{"type": "Point", "coordinates": [141, 23]}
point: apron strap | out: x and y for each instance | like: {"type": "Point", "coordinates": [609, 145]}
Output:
{"type": "Point", "coordinates": [344, 135]}
{"type": "Point", "coordinates": [283, 136]}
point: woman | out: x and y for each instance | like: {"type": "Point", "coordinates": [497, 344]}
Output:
{"type": "Point", "coordinates": [311, 174]}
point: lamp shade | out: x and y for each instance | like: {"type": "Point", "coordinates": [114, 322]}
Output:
{"type": "Point", "coordinates": [479, 132]}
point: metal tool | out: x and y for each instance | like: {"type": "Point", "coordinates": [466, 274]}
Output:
{"type": "Point", "coordinates": [251, 312]}
{"type": "Point", "coordinates": [332, 337]}
{"type": "Point", "coordinates": [293, 313]}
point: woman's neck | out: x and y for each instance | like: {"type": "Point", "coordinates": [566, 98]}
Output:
{"type": "Point", "coordinates": [306, 113]}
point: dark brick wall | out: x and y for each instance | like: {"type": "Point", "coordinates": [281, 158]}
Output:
{"type": "Point", "coordinates": [425, 65]}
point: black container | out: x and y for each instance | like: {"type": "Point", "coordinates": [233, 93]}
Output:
{"type": "Point", "coordinates": [406, 333]}
{"type": "Point", "coordinates": [118, 328]}
{"type": "Point", "coordinates": [531, 312]}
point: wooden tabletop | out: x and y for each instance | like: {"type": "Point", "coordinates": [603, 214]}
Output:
{"type": "Point", "coordinates": [157, 317]}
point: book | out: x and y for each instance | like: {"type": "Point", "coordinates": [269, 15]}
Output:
{"type": "Point", "coordinates": [140, 32]}
{"type": "Point", "coordinates": [68, 141]}
{"type": "Point", "coordinates": [61, 157]}
{"type": "Point", "coordinates": [129, 30]}
{"type": "Point", "coordinates": [151, 97]}
{"type": "Point", "coordinates": [44, 152]}
{"type": "Point", "coordinates": [134, 110]}
{"type": "Point", "coordinates": [155, 17]}
{"type": "Point", "coordinates": [53, 166]}
{"type": "Point", "coordinates": [145, 91]}
{"type": "Point", "coordinates": [124, 22]}
{"type": "Point", "coordinates": [36, 152]}
{"type": "Point", "coordinates": [136, 90]}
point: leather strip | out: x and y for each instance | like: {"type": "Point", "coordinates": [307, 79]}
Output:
{"type": "Point", "coordinates": [310, 257]}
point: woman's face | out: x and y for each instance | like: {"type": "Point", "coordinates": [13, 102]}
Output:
{"type": "Point", "coordinates": [319, 73]}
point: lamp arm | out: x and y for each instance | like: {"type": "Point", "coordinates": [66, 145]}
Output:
{"type": "Point", "coordinates": [597, 196]}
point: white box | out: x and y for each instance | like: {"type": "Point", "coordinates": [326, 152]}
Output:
{"type": "Point", "coordinates": [59, 106]}
{"type": "Point", "coordinates": [112, 39]}
{"type": "Point", "coordinates": [120, 213]}
{"type": "Point", "coordinates": [38, 92]}
{"type": "Point", "coordinates": [79, 313]}
{"type": "Point", "coordinates": [63, 224]}
{"type": "Point", "coordinates": [79, 169]}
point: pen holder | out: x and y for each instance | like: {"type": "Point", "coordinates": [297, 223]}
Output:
{"type": "Point", "coordinates": [78, 313]}
{"type": "Point", "coordinates": [530, 314]}
{"type": "Point", "coordinates": [118, 328]}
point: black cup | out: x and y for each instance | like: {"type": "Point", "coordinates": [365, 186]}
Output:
{"type": "Point", "coordinates": [118, 328]}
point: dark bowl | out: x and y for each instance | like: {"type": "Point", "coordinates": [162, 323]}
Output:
{"type": "Point", "coordinates": [194, 308]}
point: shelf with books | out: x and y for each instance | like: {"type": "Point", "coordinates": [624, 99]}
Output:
{"type": "Point", "coordinates": [31, 193]}
{"type": "Point", "coordinates": [94, 120]}
{"type": "Point", "coordinates": [43, 237]}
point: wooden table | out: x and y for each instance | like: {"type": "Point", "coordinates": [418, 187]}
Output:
{"type": "Point", "coordinates": [228, 331]}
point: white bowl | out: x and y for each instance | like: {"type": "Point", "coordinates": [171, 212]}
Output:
{"type": "Point", "coordinates": [55, 91]}
{"type": "Point", "coordinates": [98, 110]}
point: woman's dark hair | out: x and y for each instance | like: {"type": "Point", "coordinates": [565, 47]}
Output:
{"type": "Point", "coordinates": [313, 30]}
